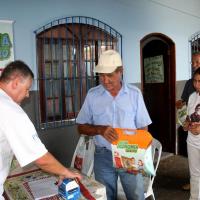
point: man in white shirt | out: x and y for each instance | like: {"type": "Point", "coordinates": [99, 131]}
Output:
{"type": "Point", "coordinates": [17, 133]}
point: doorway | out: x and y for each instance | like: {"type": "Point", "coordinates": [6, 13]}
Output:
{"type": "Point", "coordinates": [158, 85]}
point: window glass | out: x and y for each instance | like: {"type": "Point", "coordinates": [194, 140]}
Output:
{"type": "Point", "coordinates": [66, 56]}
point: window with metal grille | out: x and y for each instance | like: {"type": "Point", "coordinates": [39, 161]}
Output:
{"type": "Point", "coordinates": [195, 43]}
{"type": "Point", "coordinates": [67, 51]}
{"type": "Point", "coordinates": [195, 47]}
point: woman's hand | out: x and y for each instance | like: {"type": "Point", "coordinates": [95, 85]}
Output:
{"type": "Point", "coordinates": [194, 128]}
{"type": "Point", "coordinates": [180, 104]}
{"type": "Point", "coordinates": [186, 124]}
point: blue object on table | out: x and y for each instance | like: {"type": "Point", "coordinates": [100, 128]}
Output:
{"type": "Point", "coordinates": [69, 189]}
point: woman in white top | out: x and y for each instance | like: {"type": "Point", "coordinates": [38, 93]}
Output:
{"type": "Point", "coordinates": [192, 125]}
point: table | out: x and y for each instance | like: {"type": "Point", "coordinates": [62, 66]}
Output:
{"type": "Point", "coordinates": [17, 188]}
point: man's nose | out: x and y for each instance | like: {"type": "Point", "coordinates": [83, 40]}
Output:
{"type": "Point", "coordinates": [106, 79]}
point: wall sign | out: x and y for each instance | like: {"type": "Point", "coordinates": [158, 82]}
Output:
{"type": "Point", "coordinates": [154, 69]}
{"type": "Point", "coordinates": [6, 43]}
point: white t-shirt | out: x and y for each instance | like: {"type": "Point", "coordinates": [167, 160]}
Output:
{"type": "Point", "coordinates": [17, 136]}
{"type": "Point", "coordinates": [194, 100]}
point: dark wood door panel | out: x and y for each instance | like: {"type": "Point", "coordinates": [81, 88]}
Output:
{"type": "Point", "coordinates": [158, 95]}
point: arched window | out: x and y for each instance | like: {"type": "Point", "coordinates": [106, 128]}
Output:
{"type": "Point", "coordinates": [67, 51]}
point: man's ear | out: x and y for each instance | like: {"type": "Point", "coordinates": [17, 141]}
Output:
{"type": "Point", "coordinates": [121, 70]}
{"type": "Point", "coordinates": [15, 83]}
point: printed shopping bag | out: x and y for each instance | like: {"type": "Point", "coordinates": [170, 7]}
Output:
{"type": "Point", "coordinates": [132, 151]}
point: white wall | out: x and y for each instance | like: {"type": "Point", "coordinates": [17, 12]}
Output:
{"type": "Point", "coordinates": [178, 19]}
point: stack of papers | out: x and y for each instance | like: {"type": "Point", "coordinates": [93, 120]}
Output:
{"type": "Point", "coordinates": [43, 188]}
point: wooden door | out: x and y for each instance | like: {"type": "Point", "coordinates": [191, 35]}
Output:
{"type": "Point", "coordinates": [158, 86]}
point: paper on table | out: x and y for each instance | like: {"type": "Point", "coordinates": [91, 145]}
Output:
{"type": "Point", "coordinates": [43, 188]}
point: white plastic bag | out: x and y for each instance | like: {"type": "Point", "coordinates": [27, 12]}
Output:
{"type": "Point", "coordinates": [84, 157]}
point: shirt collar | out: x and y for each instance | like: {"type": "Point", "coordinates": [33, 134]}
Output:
{"type": "Point", "coordinates": [124, 89]}
{"type": "Point", "coordinates": [4, 93]}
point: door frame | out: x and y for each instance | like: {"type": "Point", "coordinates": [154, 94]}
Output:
{"type": "Point", "coordinates": [172, 81]}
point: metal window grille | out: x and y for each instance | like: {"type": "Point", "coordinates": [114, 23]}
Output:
{"type": "Point", "coordinates": [67, 51]}
{"type": "Point", "coordinates": [195, 43]}
{"type": "Point", "coordinates": [194, 48]}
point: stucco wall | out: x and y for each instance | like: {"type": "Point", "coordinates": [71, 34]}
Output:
{"type": "Point", "coordinates": [134, 19]}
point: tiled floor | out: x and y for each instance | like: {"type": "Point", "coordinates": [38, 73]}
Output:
{"type": "Point", "coordinates": [172, 174]}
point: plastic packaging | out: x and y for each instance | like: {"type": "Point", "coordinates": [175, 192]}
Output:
{"type": "Point", "coordinates": [132, 151]}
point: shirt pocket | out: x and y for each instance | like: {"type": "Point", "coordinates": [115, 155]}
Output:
{"type": "Point", "coordinates": [101, 115]}
{"type": "Point", "coordinates": [125, 117]}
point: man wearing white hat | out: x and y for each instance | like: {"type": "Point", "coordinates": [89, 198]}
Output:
{"type": "Point", "coordinates": [112, 104]}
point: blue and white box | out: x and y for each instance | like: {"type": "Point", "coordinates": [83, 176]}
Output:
{"type": "Point", "coordinates": [69, 189]}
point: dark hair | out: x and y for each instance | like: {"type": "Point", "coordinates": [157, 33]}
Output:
{"type": "Point", "coordinates": [197, 106]}
{"type": "Point", "coordinates": [196, 53]}
{"type": "Point", "coordinates": [196, 72]}
{"type": "Point", "coordinates": [16, 68]}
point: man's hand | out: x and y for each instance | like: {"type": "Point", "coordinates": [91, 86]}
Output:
{"type": "Point", "coordinates": [69, 174]}
{"type": "Point", "coordinates": [108, 133]}
{"type": "Point", "coordinates": [49, 164]}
